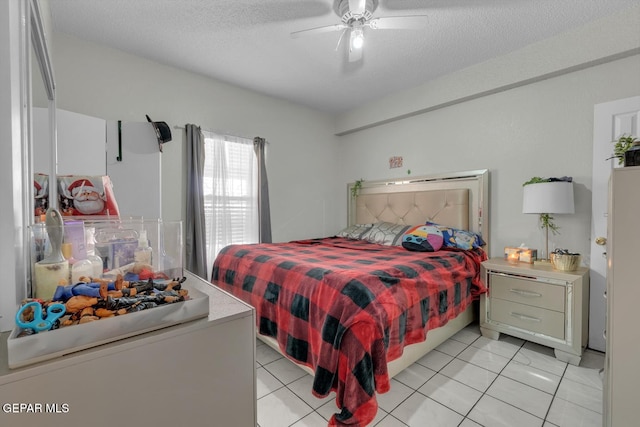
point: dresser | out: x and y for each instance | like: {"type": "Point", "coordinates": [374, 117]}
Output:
{"type": "Point", "coordinates": [199, 373]}
{"type": "Point", "coordinates": [622, 375]}
{"type": "Point", "coordinates": [537, 303]}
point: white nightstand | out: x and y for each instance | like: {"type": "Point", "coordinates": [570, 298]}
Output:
{"type": "Point", "coordinates": [538, 304]}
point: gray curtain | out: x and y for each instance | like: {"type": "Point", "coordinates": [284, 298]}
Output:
{"type": "Point", "coordinates": [264, 211]}
{"type": "Point", "coordinates": [195, 232]}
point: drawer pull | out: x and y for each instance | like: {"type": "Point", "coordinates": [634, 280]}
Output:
{"type": "Point", "coordinates": [525, 317]}
{"type": "Point", "coordinates": [528, 294]}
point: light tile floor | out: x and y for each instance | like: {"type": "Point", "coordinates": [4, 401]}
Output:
{"type": "Point", "coordinates": [468, 381]}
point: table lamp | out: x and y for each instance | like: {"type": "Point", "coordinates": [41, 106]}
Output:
{"type": "Point", "coordinates": [546, 198]}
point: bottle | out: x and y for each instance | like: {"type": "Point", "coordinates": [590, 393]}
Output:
{"type": "Point", "coordinates": [142, 254]}
{"type": "Point", "coordinates": [67, 253]}
{"type": "Point", "coordinates": [39, 241]}
{"type": "Point", "coordinates": [78, 267]}
{"type": "Point", "coordinates": [96, 261]}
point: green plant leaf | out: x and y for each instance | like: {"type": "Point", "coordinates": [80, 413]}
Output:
{"type": "Point", "coordinates": [546, 220]}
{"type": "Point", "coordinates": [355, 189]}
{"type": "Point", "coordinates": [536, 180]}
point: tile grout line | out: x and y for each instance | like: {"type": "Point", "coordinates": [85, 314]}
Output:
{"type": "Point", "coordinates": [494, 380]}
{"type": "Point", "coordinates": [555, 393]}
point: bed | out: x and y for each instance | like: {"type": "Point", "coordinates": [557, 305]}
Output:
{"type": "Point", "coordinates": [354, 310]}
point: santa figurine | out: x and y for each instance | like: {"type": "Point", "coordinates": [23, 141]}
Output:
{"type": "Point", "coordinates": [41, 194]}
{"type": "Point", "coordinates": [87, 199]}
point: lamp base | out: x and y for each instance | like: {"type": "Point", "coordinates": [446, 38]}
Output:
{"type": "Point", "coordinates": [542, 262]}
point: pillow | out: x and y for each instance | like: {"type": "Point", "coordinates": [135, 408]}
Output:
{"type": "Point", "coordinates": [354, 231]}
{"type": "Point", "coordinates": [455, 238]}
{"type": "Point", "coordinates": [423, 238]}
{"type": "Point", "coordinates": [386, 233]}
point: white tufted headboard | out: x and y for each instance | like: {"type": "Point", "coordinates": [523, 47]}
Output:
{"type": "Point", "coordinates": [457, 199]}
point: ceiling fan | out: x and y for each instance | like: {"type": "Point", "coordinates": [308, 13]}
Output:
{"type": "Point", "coordinates": [356, 15]}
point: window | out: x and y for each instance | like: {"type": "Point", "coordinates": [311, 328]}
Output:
{"type": "Point", "coordinates": [230, 192]}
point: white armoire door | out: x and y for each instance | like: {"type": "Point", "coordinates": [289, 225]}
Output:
{"type": "Point", "coordinates": [81, 143]}
{"type": "Point", "coordinates": [621, 373]}
{"type": "Point", "coordinates": [134, 166]}
{"type": "Point", "coordinates": [611, 120]}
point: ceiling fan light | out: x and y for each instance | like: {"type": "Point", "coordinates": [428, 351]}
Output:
{"type": "Point", "coordinates": [357, 38]}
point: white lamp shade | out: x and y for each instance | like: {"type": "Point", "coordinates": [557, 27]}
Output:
{"type": "Point", "coordinates": [549, 198]}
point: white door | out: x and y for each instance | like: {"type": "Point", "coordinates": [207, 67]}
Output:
{"type": "Point", "coordinates": [610, 121]}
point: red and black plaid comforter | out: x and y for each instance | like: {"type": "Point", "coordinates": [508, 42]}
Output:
{"type": "Point", "coordinates": [346, 307]}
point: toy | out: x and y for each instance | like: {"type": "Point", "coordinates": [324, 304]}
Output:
{"type": "Point", "coordinates": [39, 320]}
{"type": "Point", "coordinates": [94, 299]}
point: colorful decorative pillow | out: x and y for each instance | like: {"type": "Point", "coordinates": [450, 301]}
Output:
{"type": "Point", "coordinates": [423, 238]}
{"type": "Point", "coordinates": [455, 238]}
{"type": "Point", "coordinates": [386, 233]}
{"type": "Point", "coordinates": [354, 231]}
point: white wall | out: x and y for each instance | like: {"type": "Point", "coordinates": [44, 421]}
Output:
{"type": "Point", "coordinates": [102, 82]}
{"type": "Point", "coordinates": [541, 129]}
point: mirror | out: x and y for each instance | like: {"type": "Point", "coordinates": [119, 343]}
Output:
{"type": "Point", "coordinates": [41, 100]}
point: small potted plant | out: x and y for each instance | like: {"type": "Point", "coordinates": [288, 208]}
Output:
{"type": "Point", "coordinates": [622, 145]}
{"type": "Point", "coordinates": [355, 189]}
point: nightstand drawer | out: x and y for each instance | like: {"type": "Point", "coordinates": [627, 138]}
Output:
{"type": "Point", "coordinates": [534, 319]}
{"type": "Point", "coordinates": [527, 292]}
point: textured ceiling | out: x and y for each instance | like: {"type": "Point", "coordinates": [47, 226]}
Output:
{"type": "Point", "coordinates": [247, 42]}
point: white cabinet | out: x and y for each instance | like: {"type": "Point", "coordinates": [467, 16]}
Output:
{"type": "Point", "coordinates": [200, 373]}
{"type": "Point", "coordinates": [538, 304]}
{"type": "Point", "coordinates": [622, 375]}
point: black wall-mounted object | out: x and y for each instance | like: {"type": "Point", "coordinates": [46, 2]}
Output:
{"type": "Point", "coordinates": [163, 132]}
{"type": "Point", "coordinates": [119, 158]}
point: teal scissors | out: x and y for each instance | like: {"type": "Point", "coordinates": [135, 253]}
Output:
{"type": "Point", "coordinates": [40, 323]}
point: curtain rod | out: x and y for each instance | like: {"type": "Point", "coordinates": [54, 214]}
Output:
{"type": "Point", "coordinates": [222, 133]}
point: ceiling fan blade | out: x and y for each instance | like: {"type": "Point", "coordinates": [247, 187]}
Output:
{"type": "Point", "coordinates": [357, 7]}
{"type": "Point", "coordinates": [340, 39]}
{"type": "Point", "coordinates": [414, 22]}
{"type": "Point", "coordinates": [318, 30]}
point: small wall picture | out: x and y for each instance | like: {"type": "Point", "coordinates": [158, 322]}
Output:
{"type": "Point", "coordinates": [395, 162]}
